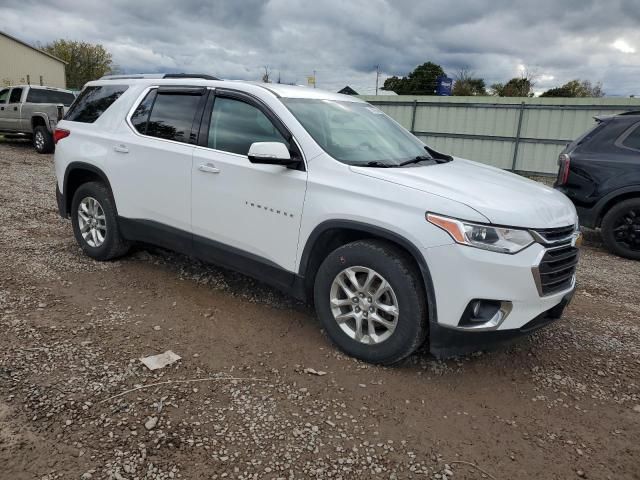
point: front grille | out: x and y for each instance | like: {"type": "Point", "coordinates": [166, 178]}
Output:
{"type": "Point", "coordinates": [552, 235]}
{"type": "Point", "coordinates": [556, 270]}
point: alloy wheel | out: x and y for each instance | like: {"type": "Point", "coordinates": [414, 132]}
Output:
{"type": "Point", "coordinates": [92, 222]}
{"type": "Point", "coordinates": [364, 305]}
{"type": "Point", "coordinates": [626, 229]}
{"type": "Point", "coordinates": [39, 140]}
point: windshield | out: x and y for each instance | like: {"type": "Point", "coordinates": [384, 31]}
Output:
{"type": "Point", "coordinates": [356, 133]}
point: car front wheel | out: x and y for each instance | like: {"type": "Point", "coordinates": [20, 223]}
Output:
{"type": "Point", "coordinates": [370, 299]}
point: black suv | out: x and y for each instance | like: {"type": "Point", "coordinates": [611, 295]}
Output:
{"type": "Point", "coordinates": [600, 173]}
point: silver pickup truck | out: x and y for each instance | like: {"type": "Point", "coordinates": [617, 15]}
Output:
{"type": "Point", "coordinates": [33, 111]}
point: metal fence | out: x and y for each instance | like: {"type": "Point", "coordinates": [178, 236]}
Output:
{"type": "Point", "coordinates": [519, 134]}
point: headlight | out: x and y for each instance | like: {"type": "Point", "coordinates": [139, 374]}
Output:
{"type": "Point", "coordinates": [487, 237]}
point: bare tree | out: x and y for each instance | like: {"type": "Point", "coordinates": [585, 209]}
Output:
{"type": "Point", "coordinates": [267, 74]}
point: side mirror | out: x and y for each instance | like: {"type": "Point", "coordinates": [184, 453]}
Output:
{"type": "Point", "coordinates": [60, 112]}
{"type": "Point", "coordinates": [270, 153]}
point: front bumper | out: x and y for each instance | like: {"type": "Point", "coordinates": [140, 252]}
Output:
{"type": "Point", "coordinates": [447, 342]}
{"type": "Point", "coordinates": [461, 274]}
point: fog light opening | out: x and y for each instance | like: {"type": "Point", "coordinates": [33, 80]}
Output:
{"type": "Point", "coordinates": [483, 313]}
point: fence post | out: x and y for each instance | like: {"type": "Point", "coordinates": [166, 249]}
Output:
{"type": "Point", "coordinates": [517, 144]}
{"type": "Point", "coordinates": [413, 116]}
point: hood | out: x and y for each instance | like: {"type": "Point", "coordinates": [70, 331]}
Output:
{"type": "Point", "coordinates": [502, 197]}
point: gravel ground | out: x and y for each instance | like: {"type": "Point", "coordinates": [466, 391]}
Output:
{"type": "Point", "coordinates": [259, 391]}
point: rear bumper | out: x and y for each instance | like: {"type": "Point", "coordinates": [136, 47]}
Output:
{"type": "Point", "coordinates": [588, 217]}
{"type": "Point", "coordinates": [447, 342]}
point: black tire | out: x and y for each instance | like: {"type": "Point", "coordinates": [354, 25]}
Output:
{"type": "Point", "coordinates": [626, 213]}
{"type": "Point", "coordinates": [394, 265]}
{"type": "Point", "coordinates": [43, 140]}
{"type": "Point", "coordinates": [114, 245]}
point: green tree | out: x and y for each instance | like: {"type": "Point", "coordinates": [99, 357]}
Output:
{"type": "Point", "coordinates": [85, 61]}
{"type": "Point", "coordinates": [576, 89]}
{"type": "Point", "coordinates": [516, 87]}
{"type": "Point", "coordinates": [422, 81]}
{"type": "Point", "coordinates": [467, 85]}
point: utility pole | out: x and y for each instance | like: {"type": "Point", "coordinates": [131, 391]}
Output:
{"type": "Point", "coordinates": [377, 76]}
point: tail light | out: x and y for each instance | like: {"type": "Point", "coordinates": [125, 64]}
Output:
{"type": "Point", "coordinates": [564, 161]}
{"type": "Point", "coordinates": [59, 134]}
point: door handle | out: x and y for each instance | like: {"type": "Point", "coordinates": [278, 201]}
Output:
{"type": "Point", "coordinates": [208, 168]}
{"type": "Point", "coordinates": [120, 148]}
{"type": "Point", "coordinates": [15, 109]}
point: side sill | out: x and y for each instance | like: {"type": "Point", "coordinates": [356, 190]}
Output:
{"type": "Point", "coordinates": [210, 251]}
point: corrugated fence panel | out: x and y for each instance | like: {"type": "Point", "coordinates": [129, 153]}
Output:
{"type": "Point", "coordinates": [497, 154]}
{"type": "Point", "coordinates": [486, 128]}
{"type": "Point", "coordinates": [400, 114]}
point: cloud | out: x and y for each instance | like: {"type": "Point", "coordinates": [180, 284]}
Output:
{"type": "Point", "coordinates": [344, 41]}
{"type": "Point", "coordinates": [621, 45]}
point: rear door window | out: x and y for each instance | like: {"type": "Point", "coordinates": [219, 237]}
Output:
{"type": "Point", "coordinates": [172, 115]}
{"type": "Point", "coordinates": [4, 95]}
{"type": "Point", "coordinates": [16, 94]}
{"type": "Point", "coordinates": [42, 95]}
{"type": "Point", "coordinates": [93, 102]}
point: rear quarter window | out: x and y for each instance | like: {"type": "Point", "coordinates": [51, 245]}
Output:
{"type": "Point", "coordinates": [93, 101]}
{"type": "Point", "coordinates": [586, 137]}
{"type": "Point", "coordinates": [41, 95]}
{"type": "Point", "coordinates": [632, 139]}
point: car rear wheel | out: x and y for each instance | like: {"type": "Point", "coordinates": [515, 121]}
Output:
{"type": "Point", "coordinates": [369, 296]}
{"type": "Point", "coordinates": [42, 140]}
{"type": "Point", "coordinates": [95, 224]}
{"type": "Point", "coordinates": [621, 229]}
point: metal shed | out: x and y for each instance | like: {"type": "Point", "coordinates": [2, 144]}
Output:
{"type": "Point", "coordinates": [21, 63]}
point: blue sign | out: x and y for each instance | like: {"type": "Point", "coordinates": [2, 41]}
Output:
{"type": "Point", "coordinates": [444, 85]}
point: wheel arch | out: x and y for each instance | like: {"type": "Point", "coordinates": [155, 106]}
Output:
{"type": "Point", "coordinates": [75, 175]}
{"type": "Point", "coordinates": [613, 198]}
{"type": "Point", "coordinates": [332, 234]}
{"type": "Point", "coordinates": [40, 120]}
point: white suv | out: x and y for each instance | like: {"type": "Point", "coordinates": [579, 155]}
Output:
{"type": "Point", "coordinates": [323, 196]}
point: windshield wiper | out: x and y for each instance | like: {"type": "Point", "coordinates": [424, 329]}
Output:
{"type": "Point", "coordinates": [418, 159]}
{"type": "Point", "coordinates": [377, 164]}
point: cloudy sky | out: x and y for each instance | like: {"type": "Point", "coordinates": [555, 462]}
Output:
{"type": "Point", "coordinates": [343, 40]}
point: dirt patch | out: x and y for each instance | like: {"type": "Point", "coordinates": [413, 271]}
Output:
{"type": "Point", "coordinates": [560, 404]}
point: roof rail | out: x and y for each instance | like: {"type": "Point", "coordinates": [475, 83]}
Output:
{"type": "Point", "coordinates": [190, 75]}
{"type": "Point", "coordinates": [159, 75]}
{"type": "Point", "coordinates": [133, 76]}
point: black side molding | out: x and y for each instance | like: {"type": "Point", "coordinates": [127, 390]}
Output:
{"type": "Point", "coordinates": [210, 251]}
{"type": "Point", "coordinates": [65, 200]}
{"type": "Point", "coordinates": [62, 207]}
